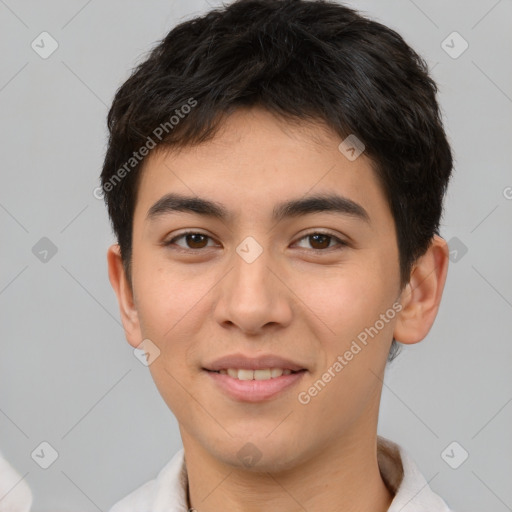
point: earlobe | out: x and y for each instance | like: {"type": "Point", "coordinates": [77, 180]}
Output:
{"type": "Point", "coordinates": [124, 293]}
{"type": "Point", "coordinates": [422, 295]}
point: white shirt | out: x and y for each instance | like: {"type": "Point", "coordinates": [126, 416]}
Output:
{"type": "Point", "coordinates": [15, 496]}
{"type": "Point", "coordinates": [168, 492]}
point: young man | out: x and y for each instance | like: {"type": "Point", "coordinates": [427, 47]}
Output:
{"type": "Point", "coordinates": [275, 176]}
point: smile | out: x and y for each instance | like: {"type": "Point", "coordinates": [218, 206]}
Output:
{"type": "Point", "coordinates": [245, 385]}
{"type": "Point", "coordinates": [264, 374]}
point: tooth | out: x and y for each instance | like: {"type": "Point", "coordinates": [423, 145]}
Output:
{"type": "Point", "coordinates": [276, 372]}
{"type": "Point", "coordinates": [245, 374]}
{"type": "Point", "coordinates": [262, 374]}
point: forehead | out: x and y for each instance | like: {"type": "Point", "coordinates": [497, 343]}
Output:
{"type": "Point", "coordinates": [256, 161]}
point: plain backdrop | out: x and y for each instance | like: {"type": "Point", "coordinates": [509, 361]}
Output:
{"type": "Point", "coordinates": [67, 375]}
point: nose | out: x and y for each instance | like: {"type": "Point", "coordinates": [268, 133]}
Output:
{"type": "Point", "coordinates": [252, 297]}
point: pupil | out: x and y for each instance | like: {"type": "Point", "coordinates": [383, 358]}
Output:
{"type": "Point", "coordinates": [195, 239]}
{"type": "Point", "coordinates": [325, 239]}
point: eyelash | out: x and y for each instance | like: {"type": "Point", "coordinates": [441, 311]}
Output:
{"type": "Point", "coordinates": [341, 244]}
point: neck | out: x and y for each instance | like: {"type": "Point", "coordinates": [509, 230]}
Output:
{"type": "Point", "coordinates": [343, 477]}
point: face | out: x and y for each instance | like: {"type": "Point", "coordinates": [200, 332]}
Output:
{"type": "Point", "coordinates": [310, 289]}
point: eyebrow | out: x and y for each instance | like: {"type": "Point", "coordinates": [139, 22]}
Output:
{"type": "Point", "coordinates": [331, 203]}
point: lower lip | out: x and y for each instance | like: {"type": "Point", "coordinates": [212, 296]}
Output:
{"type": "Point", "coordinates": [255, 390]}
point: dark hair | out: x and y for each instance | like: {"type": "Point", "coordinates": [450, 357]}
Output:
{"type": "Point", "coordinates": [302, 60]}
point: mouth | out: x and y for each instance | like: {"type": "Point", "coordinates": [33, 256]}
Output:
{"type": "Point", "coordinates": [254, 379]}
{"type": "Point", "coordinates": [260, 374]}
{"type": "Point", "coordinates": [253, 386]}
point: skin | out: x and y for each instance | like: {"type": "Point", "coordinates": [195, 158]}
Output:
{"type": "Point", "coordinates": [294, 301]}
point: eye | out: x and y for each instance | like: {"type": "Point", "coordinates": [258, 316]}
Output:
{"type": "Point", "coordinates": [321, 241]}
{"type": "Point", "coordinates": [193, 240]}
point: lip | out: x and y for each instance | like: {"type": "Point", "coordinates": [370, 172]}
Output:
{"type": "Point", "coordinates": [239, 361]}
{"type": "Point", "coordinates": [254, 390]}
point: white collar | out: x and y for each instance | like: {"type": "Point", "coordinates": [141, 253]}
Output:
{"type": "Point", "coordinates": [15, 495]}
{"type": "Point", "coordinates": [168, 492]}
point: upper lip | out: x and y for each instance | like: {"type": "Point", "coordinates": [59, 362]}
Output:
{"type": "Point", "coordinates": [239, 361]}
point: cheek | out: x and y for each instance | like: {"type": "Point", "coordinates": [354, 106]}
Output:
{"type": "Point", "coordinates": [348, 304]}
{"type": "Point", "coordinates": [348, 297]}
{"type": "Point", "coordinates": [170, 312]}
{"type": "Point", "coordinates": [166, 298]}
{"type": "Point", "coordinates": [356, 353]}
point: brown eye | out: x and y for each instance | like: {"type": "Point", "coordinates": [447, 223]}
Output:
{"type": "Point", "coordinates": [322, 241]}
{"type": "Point", "coordinates": [193, 240]}
{"type": "Point", "coordinates": [196, 241]}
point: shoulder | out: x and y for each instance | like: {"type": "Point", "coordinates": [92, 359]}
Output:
{"type": "Point", "coordinates": [137, 499]}
{"type": "Point", "coordinates": [167, 489]}
{"type": "Point", "coordinates": [15, 495]}
{"type": "Point", "coordinates": [402, 475]}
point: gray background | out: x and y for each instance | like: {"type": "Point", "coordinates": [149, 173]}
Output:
{"type": "Point", "coordinates": [68, 377]}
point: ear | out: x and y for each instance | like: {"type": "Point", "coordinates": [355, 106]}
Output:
{"type": "Point", "coordinates": [422, 295]}
{"type": "Point", "coordinates": [124, 293]}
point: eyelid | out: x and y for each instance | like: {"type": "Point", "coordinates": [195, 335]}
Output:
{"type": "Point", "coordinates": [340, 242]}
{"type": "Point", "coordinates": [184, 234]}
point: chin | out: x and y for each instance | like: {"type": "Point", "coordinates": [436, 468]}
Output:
{"type": "Point", "coordinates": [257, 453]}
